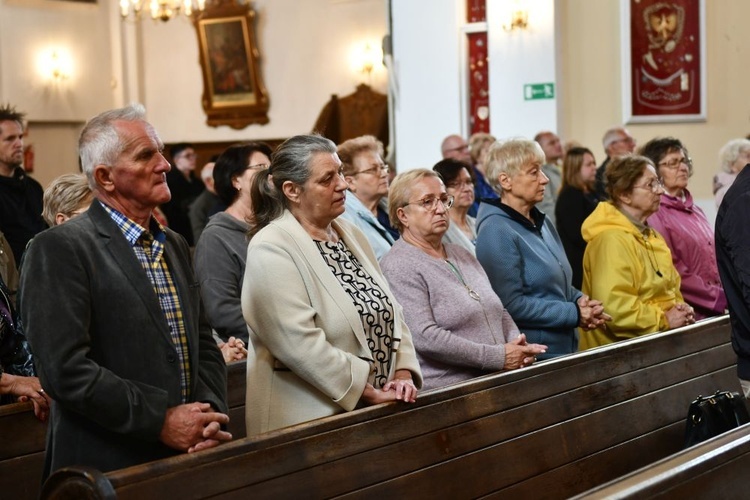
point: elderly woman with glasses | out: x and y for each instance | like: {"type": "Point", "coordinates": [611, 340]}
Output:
{"type": "Point", "coordinates": [460, 328]}
{"type": "Point", "coordinates": [686, 229]}
{"type": "Point", "coordinates": [522, 254]}
{"type": "Point", "coordinates": [459, 183]}
{"type": "Point", "coordinates": [328, 335]}
{"type": "Point", "coordinates": [627, 264]}
{"type": "Point", "coordinates": [367, 176]}
{"type": "Point", "coordinates": [222, 248]}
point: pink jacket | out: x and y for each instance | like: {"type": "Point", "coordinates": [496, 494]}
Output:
{"type": "Point", "coordinates": [691, 239]}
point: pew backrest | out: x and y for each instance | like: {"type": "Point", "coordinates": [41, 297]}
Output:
{"type": "Point", "coordinates": [22, 438]}
{"type": "Point", "coordinates": [717, 468]}
{"type": "Point", "coordinates": [558, 428]}
{"type": "Point", "coordinates": [22, 441]}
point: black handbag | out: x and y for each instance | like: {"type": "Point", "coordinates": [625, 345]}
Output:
{"type": "Point", "coordinates": [710, 416]}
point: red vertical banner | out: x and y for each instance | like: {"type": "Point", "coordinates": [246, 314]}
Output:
{"type": "Point", "coordinates": [476, 11]}
{"type": "Point", "coordinates": [479, 91]}
{"type": "Point", "coordinates": [478, 71]}
{"type": "Point", "coordinates": [666, 58]}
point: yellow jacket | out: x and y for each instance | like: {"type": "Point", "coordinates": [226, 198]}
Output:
{"type": "Point", "coordinates": [631, 273]}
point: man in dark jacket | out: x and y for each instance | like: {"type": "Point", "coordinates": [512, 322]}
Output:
{"type": "Point", "coordinates": [20, 195]}
{"type": "Point", "coordinates": [185, 187]}
{"type": "Point", "coordinates": [733, 259]}
{"type": "Point", "coordinates": [114, 316]}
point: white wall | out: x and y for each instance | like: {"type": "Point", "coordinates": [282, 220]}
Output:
{"type": "Point", "coordinates": [56, 111]}
{"type": "Point", "coordinates": [305, 49]}
{"type": "Point", "coordinates": [517, 58]}
{"type": "Point", "coordinates": [29, 28]}
{"type": "Point", "coordinates": [426, 56]}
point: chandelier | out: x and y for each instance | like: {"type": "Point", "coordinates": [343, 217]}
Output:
{"type": "Point", "coordinates": [163, 10]}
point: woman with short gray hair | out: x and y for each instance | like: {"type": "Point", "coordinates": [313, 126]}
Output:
{"type": "Point", "coordinates": [522, 254]}
{"type": "Point", "coordinates": [460, 328]}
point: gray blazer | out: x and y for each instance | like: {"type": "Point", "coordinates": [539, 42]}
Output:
{"type": "Point", "coordinates": [102, 345]}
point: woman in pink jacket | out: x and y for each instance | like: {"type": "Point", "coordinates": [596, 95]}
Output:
{"type": "Point", "coordinates": [686, 229]}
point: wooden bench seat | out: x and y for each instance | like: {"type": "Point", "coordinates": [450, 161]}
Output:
{"type": "Point", "coordinates": [549, 431]}
{"type": "Point", "coordinates": [717, 468]}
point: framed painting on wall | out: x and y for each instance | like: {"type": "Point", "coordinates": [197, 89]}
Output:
{"type": "Point", "coordinates": [233, 92]}
{"type": "Point", "coordinates": [663, 58]}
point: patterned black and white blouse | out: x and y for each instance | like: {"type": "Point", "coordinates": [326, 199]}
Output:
{"type": "Point", "coordinates": [374, 307]}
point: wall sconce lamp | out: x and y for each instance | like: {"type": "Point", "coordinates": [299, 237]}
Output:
{"type": "Point", "coordinates": [518, 18]}
{"type": "Point", "coordinates": [365, 58]}
{"type": "Point", "coordinates": [367, 63]}
{"type": "Point", "coordinates": [55, 65]}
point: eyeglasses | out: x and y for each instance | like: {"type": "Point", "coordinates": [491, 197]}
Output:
{"type": "Point", "coordinates": [628, 140]}
{"type": "Point", "coordinates": [376, 170]}
{"type": "Point", "coordinates": [431, 203]}
{"type": "Point", "coordinates": [460, 185]}
{"type": "Point", "coordinates": [655, 186]}
{"type": "Point", "coordinates": [675, 163]}
{"type": "Point", "coordinates": [259, 166]}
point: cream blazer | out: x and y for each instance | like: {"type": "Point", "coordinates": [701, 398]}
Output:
{"type": "Point", "coordinates": [310, 357]}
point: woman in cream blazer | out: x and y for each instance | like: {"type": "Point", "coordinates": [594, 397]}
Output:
{"type": "Point", "coordinates": [311, 356]}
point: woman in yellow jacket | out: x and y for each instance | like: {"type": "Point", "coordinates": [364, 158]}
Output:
{"type": "Point", "coordinates": [627, 265]}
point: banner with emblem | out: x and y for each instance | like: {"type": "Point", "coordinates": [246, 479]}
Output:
{"type": "Point", "coordinates": [664, 78]}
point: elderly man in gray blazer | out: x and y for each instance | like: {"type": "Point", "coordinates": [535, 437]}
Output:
{"type": "Point", "coordinates": [114, 316]}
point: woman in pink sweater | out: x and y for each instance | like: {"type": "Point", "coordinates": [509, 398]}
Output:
{"type": "Point", "coordinates": [686, 229]}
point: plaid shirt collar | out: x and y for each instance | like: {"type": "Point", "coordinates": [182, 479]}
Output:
{"type": "Point", "coordinates": [132, 230]}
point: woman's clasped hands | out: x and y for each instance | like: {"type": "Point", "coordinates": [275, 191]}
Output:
{"type": "Point", "coordinates": [591, 313]}
{"type": "Point", "coordinates": [519, 353]}
{"type": "Point", "coordinates": [400, 388]}
{"type": "Point", "coordinates": [680, 315]}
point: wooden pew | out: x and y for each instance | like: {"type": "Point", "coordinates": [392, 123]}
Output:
{"type": "Point", "coordinates": [549, 431]}
{"type": "Point", "coordinates": [717, 468]}
{"type": "Point", "coordinates": [236, 382]}
{"type": "Point", "coordinates": [22, 441]}
{"type": "Point", "coordinates": [22, 438]}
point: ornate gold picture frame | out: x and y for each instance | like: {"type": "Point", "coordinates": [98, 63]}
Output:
{"type": "Point", "coordinates": [233, 91]}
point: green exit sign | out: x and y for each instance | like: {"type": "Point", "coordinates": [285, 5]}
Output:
{"type": "Point", "coordinates": [534, 91]}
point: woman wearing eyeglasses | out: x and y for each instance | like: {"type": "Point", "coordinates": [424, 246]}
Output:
{"type": "Point", "coordinates": [459, 183]}
{"type": "Point", "coordinates": [460, 328]}
{"type": "Point", "coordinates": [627, 264]}
{"type": "Point", "coordinates": [522, 254]}
{"type": "Point", "coordinates": [221, 250]}
{"type": "Point", "coordinates": [328, 335]}
{"type": "Point", "coordinates": [367, 176]}
{"type": "Point", "coordinates": [686, 229]}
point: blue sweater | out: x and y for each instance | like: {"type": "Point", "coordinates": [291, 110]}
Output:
{"type": "Point", "coordinates": [378, 236]}
{"type": "Point", "coordinates": [530, 273]}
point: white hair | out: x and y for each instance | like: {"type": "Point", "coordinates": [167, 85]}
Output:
{"type": "Point", "coordinates": [99, 143]}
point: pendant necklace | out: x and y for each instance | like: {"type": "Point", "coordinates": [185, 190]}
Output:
{"type": "Point", "coordinates": [474, 295]}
